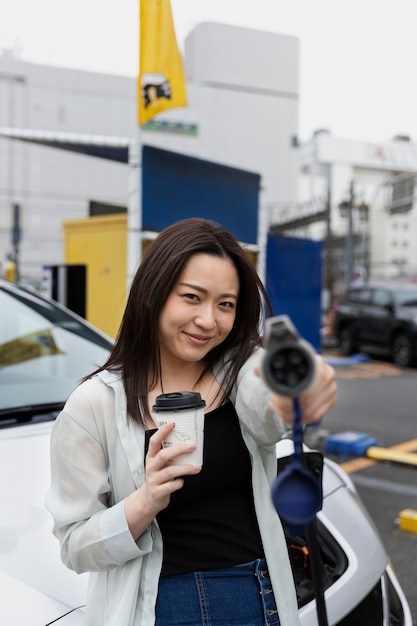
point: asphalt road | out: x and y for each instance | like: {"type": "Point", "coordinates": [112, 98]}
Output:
{"type": "Point", "coordinates": [380, 400]}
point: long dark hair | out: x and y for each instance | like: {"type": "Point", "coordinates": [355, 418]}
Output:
{"type": "Point", "coordinates": [136, 350]}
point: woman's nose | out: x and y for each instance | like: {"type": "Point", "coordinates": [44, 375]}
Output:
{"type": "Point", "coordinates": [206, 317]}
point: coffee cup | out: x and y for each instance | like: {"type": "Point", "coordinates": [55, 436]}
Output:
{"type": "Point", "coordinates": [186, 410]}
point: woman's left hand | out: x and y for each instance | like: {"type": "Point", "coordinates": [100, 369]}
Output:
{"type": "Point", "coordinates": [315, 402]}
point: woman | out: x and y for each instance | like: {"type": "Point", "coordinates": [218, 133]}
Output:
{"type": "Point", "coordinates": [169, 544]}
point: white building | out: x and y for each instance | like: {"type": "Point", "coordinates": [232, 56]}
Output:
{"type": "Point", "coordinates": [381, 176]}
{"type": "Point", "coordinates": [49, 184]}
{"type": "Point", "coordinates": [242, 89]}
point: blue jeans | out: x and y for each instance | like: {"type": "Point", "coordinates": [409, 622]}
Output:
{"type": "Point", "coordinates": [233, 596]}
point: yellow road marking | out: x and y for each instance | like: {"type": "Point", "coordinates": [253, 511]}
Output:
{"type": "Point", "coordinates": [388, 454]}
{"type": "Point", "coordinates": [408, 520]}
{"type": "Point", "coordinates": [362, 463]}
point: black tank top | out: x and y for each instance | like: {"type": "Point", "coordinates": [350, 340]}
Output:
{"type": "Point", "coordinates": [211, 523]}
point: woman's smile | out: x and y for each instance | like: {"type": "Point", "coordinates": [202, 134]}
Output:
{"type": "Point", "coordinates": [200, 340]}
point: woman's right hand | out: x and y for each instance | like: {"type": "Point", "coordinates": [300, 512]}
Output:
{"type": "Point", "coordinates": [162, 479]}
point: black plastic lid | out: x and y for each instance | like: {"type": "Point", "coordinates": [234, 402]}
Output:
{"type": "Point", "coordinates": [178, 401]}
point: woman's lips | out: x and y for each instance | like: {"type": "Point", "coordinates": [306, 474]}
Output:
{"type": "Point", "coordinates": [198, 340]}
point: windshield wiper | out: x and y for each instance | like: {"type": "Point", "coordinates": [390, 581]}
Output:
{"type": "Point", "coordinates": [29, 413]}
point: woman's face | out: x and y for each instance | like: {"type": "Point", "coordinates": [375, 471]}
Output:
{"type": "Point", "coordinates": [200, 311]}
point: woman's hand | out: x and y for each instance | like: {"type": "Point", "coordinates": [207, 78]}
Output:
{"type": "Point", "coordinates": [162, 476]}
{"type": "Point", "coordinates": [162, 479]}
{"type": "Point", "coordinates": [315, 402]}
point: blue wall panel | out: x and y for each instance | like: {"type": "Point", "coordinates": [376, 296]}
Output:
{"type": "Point", "coordinates": [176, 187]}
{"type": "Point", "coordinates": [294, 281]}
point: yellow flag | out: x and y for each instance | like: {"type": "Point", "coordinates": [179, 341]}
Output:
{"type": "Point", "coordinates": [161, 83]}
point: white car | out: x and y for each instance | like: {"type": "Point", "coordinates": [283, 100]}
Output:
{"type": "Point", "coordinates": [44, 351]}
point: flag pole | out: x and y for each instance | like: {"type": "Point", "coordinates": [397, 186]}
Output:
{"type": "Point", "coordinates": [161, 86]}
{"type": "Point", "coordinates": [134, 211]}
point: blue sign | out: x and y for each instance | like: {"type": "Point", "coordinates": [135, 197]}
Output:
{"type": "Point", "coordinates": [177, 187]}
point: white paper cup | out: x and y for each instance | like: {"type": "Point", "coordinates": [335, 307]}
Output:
{"type": "Point", "coordinates": [186, 410]}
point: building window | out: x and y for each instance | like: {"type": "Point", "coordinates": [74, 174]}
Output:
{"type": "Point", "coordinates": [402, 195]}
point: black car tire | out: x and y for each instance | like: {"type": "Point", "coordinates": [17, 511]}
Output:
{"type": "Point", "coordinates": [346, 341]}
{"type": "Point", "coordinates": [402, 351]}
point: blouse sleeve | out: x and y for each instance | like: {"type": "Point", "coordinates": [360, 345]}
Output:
{"type": "Point", "coordinates": [251, 397]}
{"type": "Point", "coordinates": [89, 522]}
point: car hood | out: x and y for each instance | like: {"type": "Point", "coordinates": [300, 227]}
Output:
{"type": "Point", "coordinates": [29, 553]}
{"type": "Point", "coordinates": [19, 604]}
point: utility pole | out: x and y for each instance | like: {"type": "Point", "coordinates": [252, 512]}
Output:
{"type": "Point", "coordinates": [16, 236]}
{"type": "Point", "coordinates": [349, 238]}
{"type": "Point", "coordinates": [328, 266]}
{"type": "Point", "coordinates": [13, 257]}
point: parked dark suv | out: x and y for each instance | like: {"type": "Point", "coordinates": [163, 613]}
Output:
{"type": "Point", "coordinates": [380, 319]}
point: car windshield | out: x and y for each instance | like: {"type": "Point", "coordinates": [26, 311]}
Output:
{"type": "Point", "coordinates": [44, 351]}
{"type": "Point", "coordinates": [406, 297]}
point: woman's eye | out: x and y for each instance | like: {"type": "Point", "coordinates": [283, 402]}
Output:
{"type": "Point", "coordinates": [191, 296]}
{"type": "Point", "coordinates": [228, 305]}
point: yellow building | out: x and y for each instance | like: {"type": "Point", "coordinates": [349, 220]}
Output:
{"type": "Point", "coordinates": [100, 244]}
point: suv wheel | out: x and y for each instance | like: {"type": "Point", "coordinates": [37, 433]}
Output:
{"type": "Point", "coordinates": [346, 341]}
{"type": "Point", "coordinates": [401, 350]}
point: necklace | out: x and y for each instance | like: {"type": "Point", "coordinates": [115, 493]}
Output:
{"type": "Point", "coordinates": [206, 384]}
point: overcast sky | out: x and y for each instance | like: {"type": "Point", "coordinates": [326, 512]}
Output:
{"type": "Point", "coordinates": [357, 66]}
